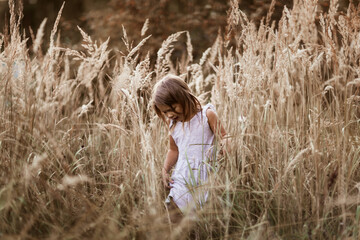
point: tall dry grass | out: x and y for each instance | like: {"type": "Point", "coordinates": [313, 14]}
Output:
{"type": "Point", "coordinates": [81, 150]}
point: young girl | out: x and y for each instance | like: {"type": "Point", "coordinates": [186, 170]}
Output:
{"type": "Point", "coordinates": [192, 132]}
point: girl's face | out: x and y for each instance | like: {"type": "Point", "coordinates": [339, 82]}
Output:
{"type": "Point", "coordinates": [173, 112]}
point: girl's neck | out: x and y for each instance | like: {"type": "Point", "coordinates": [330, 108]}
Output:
{"type": "Point", "coordinates": [193, 113]}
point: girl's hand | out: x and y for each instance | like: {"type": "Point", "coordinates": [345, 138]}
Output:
{"type": "Point", "coordinates": [225, 146]}
{"type": "Point", "coordinates": [166, 179]}
{"type": "Point", "coordinates": [221, 151]}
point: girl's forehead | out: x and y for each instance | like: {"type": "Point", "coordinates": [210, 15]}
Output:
{"type": "Point", "coordinates": [163, 107]}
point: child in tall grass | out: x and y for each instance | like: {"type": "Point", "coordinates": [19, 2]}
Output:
{"type": "Point", "coordinates": [193, 129]}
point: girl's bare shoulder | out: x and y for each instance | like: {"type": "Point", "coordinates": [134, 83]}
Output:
{"type": "Point", "coordinates": [211, 114]}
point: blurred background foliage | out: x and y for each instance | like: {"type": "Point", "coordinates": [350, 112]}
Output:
{"type": "Point", "coordinates": [101, 19]}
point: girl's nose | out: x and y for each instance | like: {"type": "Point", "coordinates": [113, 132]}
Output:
{"type": "Point", "coordinates": [170, 115]}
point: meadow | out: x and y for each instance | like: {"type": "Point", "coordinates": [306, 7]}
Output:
{"type": "Point", "coordinates": [81, 150]}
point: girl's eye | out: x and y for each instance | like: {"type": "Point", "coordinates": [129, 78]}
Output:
{"type": "Point", "coordinates": [169, 110]}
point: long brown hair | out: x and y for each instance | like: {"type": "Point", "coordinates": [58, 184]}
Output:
{"type": "Point", "coordinates": [170, 90]}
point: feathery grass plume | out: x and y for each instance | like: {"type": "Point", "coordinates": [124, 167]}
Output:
{"type": "Point", "coordinates": [53, 32]}
{"type": "Point", "coordinates": [119, 83]}
{"type": "Point", "coordinates": [84, 109]}
{"type": "Point", "coordinates": [145, 27]}
{"type": "Point", "coordinates": [197, 79]}
{"type": "Point", "coordinates": [136, 49]}
{"type": "Point", "coordinates": [48, 66]}
{"type": "Point", "coordinates": [71, 181]}
{"type": "Point", "coordinates": [91, 65]}
{"type": "Point", "coordinates": [79, 56]}
{"type": "Point", "coordinates": [163, 62]}
{"type": "Point", "coordinates": [125, 39]}
{"type": "Point", "coordinates": [13, 23]}
{"type": "Point", "coordinates": [143, 73]}
{"type": "Point", "coordinates": [204, 56]}
{"type": "Point", "coordinates": [333, 10]}
{"type": "Point", "coordinates": [292, 163]}
{"type": "Point", "coordinates": [270, 12]}
{"type": "Point", "coordinates": [189, 47]}
{"type": "Point", "coordinates": [20, 9]}
{"type": "Point", "coordinates": [35, 167]}
{"type": "Point", "coordinates": [233, 17]}
{"type": "Point", "coordinates": [88, 43]}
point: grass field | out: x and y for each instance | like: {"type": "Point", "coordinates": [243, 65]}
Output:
{"type": "Point", "coordinates": [81, 150]}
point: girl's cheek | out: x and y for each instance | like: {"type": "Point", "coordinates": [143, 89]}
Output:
{"type": "Point", "coordinates": [178, 109]}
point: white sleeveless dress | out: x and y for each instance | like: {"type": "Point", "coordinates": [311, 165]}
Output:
{"type": "Point", "coordinates": [194, 140]}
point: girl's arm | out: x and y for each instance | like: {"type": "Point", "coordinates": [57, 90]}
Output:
{"type": "Point", "coordinates": [171, 159]}
{"type": "Point", "coordinates": [217, 128]}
